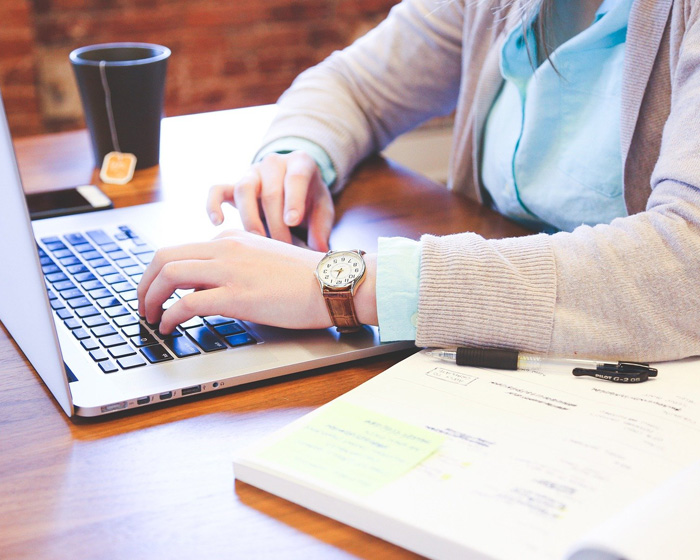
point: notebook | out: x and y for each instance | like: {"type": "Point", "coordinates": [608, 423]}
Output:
{"type": "Point", "coordinates": [67, 297]}
{"type": "Point", "coordinates": [456, 462]}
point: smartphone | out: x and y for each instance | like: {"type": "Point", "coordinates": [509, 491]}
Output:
{"type": "Point", "coordinates": [74, 200]}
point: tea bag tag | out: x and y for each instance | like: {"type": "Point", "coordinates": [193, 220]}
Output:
{"type": "Point", "coordinates": [117, 168]}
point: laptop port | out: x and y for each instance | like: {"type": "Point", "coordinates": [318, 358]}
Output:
{"type": "Point", "coordinates": [166, 396]}
{"type": "Point", "coordinates": [115, 406]}
{"type": "Point", "coordinates": [143, 400]}
{"type": "Point", "coordinates": [191, 390]}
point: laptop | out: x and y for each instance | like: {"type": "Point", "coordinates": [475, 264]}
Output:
{"type": "Point", "coordinates": [67, 297]}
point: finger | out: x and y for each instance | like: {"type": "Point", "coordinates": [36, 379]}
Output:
{"type": "Point", "coordinates": [320, 222]}
{"type": "Point", "coordinates": [301, 169]}
{"type": "Point", "coordinates": [245, 195]}
{"type": "Point", "coordinates": [186, 274]}
{"type": "Point", "coordinates": [218, 194]}
{"type": "Point", "coordinates": [204, 302]}
{"type": "Point", "coordinates": [272, 173]}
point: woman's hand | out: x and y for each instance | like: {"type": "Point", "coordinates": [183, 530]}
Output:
{"type": "Point", "coordinates": [237, 275]}
{"type": "Point", "coordinates": [283, 190]}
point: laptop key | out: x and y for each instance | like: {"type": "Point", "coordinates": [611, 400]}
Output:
{"type": "Point", "coordinates": [99, 236]}
{"type": "Point", "coordinates": [103, 330]}
{"type": "Point", "coordinates": [89, 344]}
{"type": "Point", "coordinates": [146, 258]}
{"type": "Point", "coordinates": [55, 245]}
{"type": "Point", "coordinates": [131, 362]}
{"type": "Point", "coordinates": [240, 339]}
{"type": "Point", "coordinates": [92, 285]}
{"type": "Point", "coordinates": [83, 248]}
{"type": "Point", "coordinates": [121, 351]}
{"type": "Point", "coordinates": [99, 262]}
{"type": "Point", "coordinates": [71, 293]}
{"type": "Point", "coordinates": [108, 366]}
{"type": "Point", "coordinates": [215, 320]}
{"type": "Point", "coordinates": [56, 277]}
{"type": "Point", "coordinates": [85, 277]}
{"type": "Point", "coordinates": [156, 354]}
{"type": "Point", "coordinates": [89, 311]}
{"type": "Point", "coordinates": [75, 238]}
{"type": "Point", "coordinates": [99, 293]}
{"type": "Point", "coordinates": [80, 333]}
{"type": "Point", "coordinates": [99, 355]}
{"type": "Point", "coordinates": [63, 285]}
{"type": "Point", "coordinates": [77, 269]}
{"type": "Point", "coordinates": [143, 339]}
{"type": "Point", "coordinates": [126, 320]}
{"type": "Point", "coordinates": [82, 301]}
{"type": "Point", "coordinates": [69, 261]}
{"type": "Point", "coordinates": [62, 253]}
{"type": "Point", "coordinates": [112, 340]}
{"type": "Point", "coordinates": [109, 301]}
{"type": "Point", "coordinates": [95, 321]}
{"type": "Point", "coordinates": [105, 270]}
{"type": "Point", "coordinates": [229, 329]}
{"type": "Point", "coordinates": [113, 278]}
{"type": "Point", "coordinates": [206, 339]}
{"type": "Point", "coordinates": [135, 330]}
{"type": "Point", "coordinates": [90, 254]}
{"type": "Point", "coordinates": [117, 311]}
{"type": "Point", "coordinates": [110, 247]}
{"type": "Point", "coordinates": [64, 314]}
{"type": "Point", "coordinates": [181, 346]}
{"type": "Point", "coordinates": [72, 323]}
{"type": "Point", "coordinates": [121, 287]}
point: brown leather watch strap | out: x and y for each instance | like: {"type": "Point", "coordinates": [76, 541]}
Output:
{"type": "Point", "coordinates": [342, 310]}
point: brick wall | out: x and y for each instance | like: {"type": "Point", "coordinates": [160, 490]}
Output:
{"type": "Point", "coordinates": [226, 53]}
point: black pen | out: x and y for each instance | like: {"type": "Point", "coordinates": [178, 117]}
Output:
{"type": "Point", "coordinates": [496, 358]}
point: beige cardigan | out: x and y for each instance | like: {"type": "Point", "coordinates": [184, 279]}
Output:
{"type": "Point", "coordinates": [628, 290]}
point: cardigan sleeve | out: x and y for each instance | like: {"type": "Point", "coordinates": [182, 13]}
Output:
{"type": "Point", "coordinates": [403, 72]}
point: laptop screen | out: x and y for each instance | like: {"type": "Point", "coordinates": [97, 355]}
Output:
{"type": "Point", "coordinates": [24, 305]}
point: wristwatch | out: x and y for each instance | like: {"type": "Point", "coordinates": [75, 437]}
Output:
{"type": "Point", "coordinates": [339, 273]}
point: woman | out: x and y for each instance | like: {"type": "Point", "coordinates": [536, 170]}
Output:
{"type": "Point", "coordinates": [586, 113]}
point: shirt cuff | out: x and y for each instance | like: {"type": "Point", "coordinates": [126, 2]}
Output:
{"type": "Point", "coordinates": [398, 275]}
{"type": "Point", "coordinates": [294, 143]}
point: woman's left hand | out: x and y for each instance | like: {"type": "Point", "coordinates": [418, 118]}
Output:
{"type": "Point", "coordinates": [237, 274]}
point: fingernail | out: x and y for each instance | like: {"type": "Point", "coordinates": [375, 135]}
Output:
{"type": "Point", "coordinates": [215, 218]}
{"type": "Point", "coordinates": [291, 218]}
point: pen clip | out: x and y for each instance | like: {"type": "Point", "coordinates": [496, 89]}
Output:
{"type": "Point", "coordinates": [621, 372]}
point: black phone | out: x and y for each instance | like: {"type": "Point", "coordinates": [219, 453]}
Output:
{"type": "Point", "coordinates": [62, 202]}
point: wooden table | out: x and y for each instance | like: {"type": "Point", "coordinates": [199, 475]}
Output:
{"type": "Point", "coordinates": [159, 484]}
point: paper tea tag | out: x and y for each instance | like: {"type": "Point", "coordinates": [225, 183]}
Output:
{"type": "Point", "coordinates": [118, 168]}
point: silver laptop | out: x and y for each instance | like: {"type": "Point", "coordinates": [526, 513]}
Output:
{"type": "Point", "coordinates": [67, 296]}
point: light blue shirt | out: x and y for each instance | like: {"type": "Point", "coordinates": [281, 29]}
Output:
{"type": "Point", "coordinates": [552, 157]}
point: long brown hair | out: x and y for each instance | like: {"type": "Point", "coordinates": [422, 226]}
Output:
{"type": "Point", "coordinates": [541, 24]}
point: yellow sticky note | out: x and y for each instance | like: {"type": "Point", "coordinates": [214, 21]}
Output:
{"type": "Point", "coordinates": [353, 448]}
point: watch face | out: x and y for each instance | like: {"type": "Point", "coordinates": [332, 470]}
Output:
{"type": "Point", "coordinates": [340, 269]}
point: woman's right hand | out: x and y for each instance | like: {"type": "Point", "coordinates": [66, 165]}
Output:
{"type": "Point", "coordinates": [281, 191]}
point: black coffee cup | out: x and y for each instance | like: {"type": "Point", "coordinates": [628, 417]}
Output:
{"type": "Point", "coordinates": [122, 87]}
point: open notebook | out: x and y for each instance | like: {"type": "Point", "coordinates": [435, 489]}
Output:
{"type": "Point", "coordinates": [458, 462]}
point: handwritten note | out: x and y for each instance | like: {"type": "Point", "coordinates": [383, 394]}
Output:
{"type": "Point", "coordinates": [354, 448]}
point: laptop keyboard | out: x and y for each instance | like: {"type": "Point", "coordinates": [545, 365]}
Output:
{"type": "Point", "coordinates": [91, 278]}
